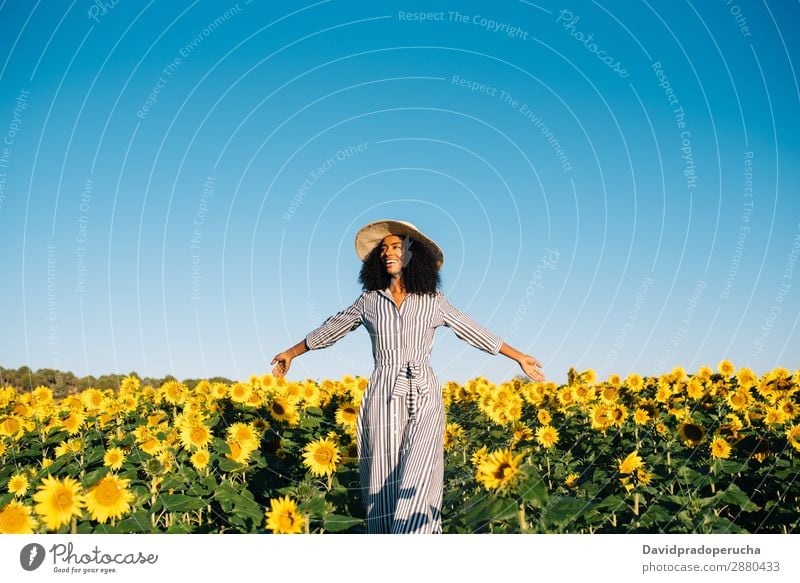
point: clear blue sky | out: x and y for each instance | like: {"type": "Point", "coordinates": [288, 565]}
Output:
{"type": "Point", "coordinates": [615, 185]}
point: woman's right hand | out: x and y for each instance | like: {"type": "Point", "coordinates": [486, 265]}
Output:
{"type": "Point", "coordinates": [284, 361]}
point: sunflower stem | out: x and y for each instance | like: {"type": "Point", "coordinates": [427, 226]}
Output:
{"type": "Point", "coordinates": [523, 524]}
{"type": "Point", "coordinates": [636, 503]}
{"type": "Point", "coordinates": [73, 529]}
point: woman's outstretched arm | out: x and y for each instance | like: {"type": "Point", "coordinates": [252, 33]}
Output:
{"type": "Point", "coordinates": [284, 359]}
{"type": "Point", "coordinates": [331, 331]}
{"type": "Point", "coordinates": [530, 366]}
{"type": "Point", "coordinates": [473, 333]}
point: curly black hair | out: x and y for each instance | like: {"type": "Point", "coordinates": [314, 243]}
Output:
{"type": "Point", "coordinates": [420, 275]}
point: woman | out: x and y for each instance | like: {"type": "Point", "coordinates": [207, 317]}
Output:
{"type": "Point", "coordinates": [400, 424]}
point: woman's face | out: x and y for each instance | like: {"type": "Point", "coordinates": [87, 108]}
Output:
{"type": "Point", "coordinates": [394, 254]}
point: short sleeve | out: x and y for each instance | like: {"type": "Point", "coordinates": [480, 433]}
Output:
{"type": "Point", "coordinates": [467, 329]}
{"type": "Point", "coordinates": [335, 327]}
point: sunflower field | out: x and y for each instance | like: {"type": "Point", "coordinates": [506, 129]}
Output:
{"type": "Point", "coordinates": [713, 452]}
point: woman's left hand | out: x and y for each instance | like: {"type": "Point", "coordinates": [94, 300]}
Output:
{"type": "Point", "coordinates": [531, 367]}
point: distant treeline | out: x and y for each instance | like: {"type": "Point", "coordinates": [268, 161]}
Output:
{"type": "Point", "coordinates": [65, 383]}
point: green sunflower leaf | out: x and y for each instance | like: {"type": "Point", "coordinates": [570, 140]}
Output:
{"type": "Point", "coordinates": [339, 522]}
{"type": "Point", "coordinates": [181, 502]}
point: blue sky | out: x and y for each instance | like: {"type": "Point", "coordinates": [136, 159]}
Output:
{"type": "Point", "coordinates": [615, 186]}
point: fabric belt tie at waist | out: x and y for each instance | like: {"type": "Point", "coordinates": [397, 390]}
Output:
{"type": "Point", "coordinates": [412, 383]}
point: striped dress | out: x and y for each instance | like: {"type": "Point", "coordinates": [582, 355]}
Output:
{"type": "Point", "coordinates": [400, 424]}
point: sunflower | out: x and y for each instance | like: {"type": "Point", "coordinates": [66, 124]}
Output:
{"type": "Point", "coordinates": [583, 393]}
{"type": "Point", "coordinates": [281, 410]}
{"type": "Point", "coordinates": [643, 476]}
{"type": "Point", "coordinates": [571, 481]}
{"type": "Point", "coordinates": [619, 413]}
{"type": "Point", "coordinates": [283, 517]}
{"type": "Point", "coordinates": [239, 452]}
{"type": "Point", "coordinates": [480, 454]}
{"type": "Point", "coordinates": [641, 416]}
{"type": "Point", "coordinates": [69, 446]}
{"type": "Point", "coordinates": [200, 459]}
{"type": "Point", "coordinates": [499, 470]}
{"type": "Point", "coordinates": [547, 436]}
{"type": "Point", "coordinates": [774, 416]}
{"type": "Point", "coordinates": [347, 414]}
{"type": "Point", "coordinates": [793, 436]}
{"type": "Point", "coordinates": [195, 436]}
{"type": "Point", "coordinates": [321, 457]}
{"type": "Point", "coordinates": [630, 464]}
{"type": "Point", "coordinates": [589, 376]}
{"type": "Point", "coordinates": [245, 434]}
{"type": "Point", "coordinates": [634, 382]}
{"type": "Point", "coordinates": [520, 432]}
{"type": "Point", "coordinates": [789, 407]}
{"type": "Point", "coordinates": [609, 394]}
{"type": "Point", "coordinates": [720, 449]}
{"type": "Point", "coordinates": [109, 498]}
{"type": "Point", "coordinates": [219, 390]}
{"type": "Point", "coordinates": [240, 392]}
{"type": "Point", "coordinates": [691, 433]}
{"type": "Point", "coordinates": [740, 399]}
{"type": "Point", "coordinates": [58, 501]}
{"type": "Point", "coordinates": [452, 431]}
{"type": "Point", "coordinates": [92, 398]}
{"type": "Point", "coordinates": [16, 518]}
{"type": "Point", "coordinates": [566, 396]}
{"type": "Point", "coordinates": [151, 446]}
{"type": "Point", "coordinates": [310, 394]}
{"type": "Point", "coordinates": [173, 392]}
{"type": "Point", "coordinates": [43, 395]}
{"type": "Point", "coordinates": [695, 389]}
{"type": "Point", "coordinates": [650, 406]}
{"type": "Point", "coordinates": [761, 451]}
{"type": "Point", "coordinates": [725, 368]}
{"type": "Point", "coordinates": [678, 374]}
{"type": "Point", "coordinates": [11, 427]}
{"type": "Point", "coordinates": [18, 485]}
{"type": "Point", "coordinates": [600, 416]}
{"type": "Point", "coordinates": [747, 378]}
{"type": "Point", "coordinates": [350, 454]}
{"type": "Point", "coordinates": [663, 392]}
{"type": "Point", "coordinates": [544, 417]}
{"type": "Point", "coordinates": [113, 458]}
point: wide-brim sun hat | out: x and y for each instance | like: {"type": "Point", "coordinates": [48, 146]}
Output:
{"type": "Point", "coordinates": [373, 233]}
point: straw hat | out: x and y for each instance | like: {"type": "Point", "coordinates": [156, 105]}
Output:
{"type": "Point", "coordinates": [373, 233]}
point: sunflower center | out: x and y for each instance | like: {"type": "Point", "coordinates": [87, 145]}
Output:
{"type": "Point", "coordinates": [12, 425]}
{"type": "Point", "coordinates": [503, 470]}
{"type": "Point", "coordinates": [107, 493]}
{"type": "Point", "coordinates": [693, 432]}
{"type": "Point", "coordinates": [63, 499]}
{"type": "Point", "coordinates": [278, 408]}
{"type": "Point", "coordinates": [323, 456]}
{"type": "Point", "coordinates": [198, 434]}
{"type": "Point", "coordinates": [286, 521]}
{"type": "Point", "coordinates": [12, 520]}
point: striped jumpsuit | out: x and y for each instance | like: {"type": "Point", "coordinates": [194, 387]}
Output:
{"type": "Point", "coordinates": [400, 424]}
